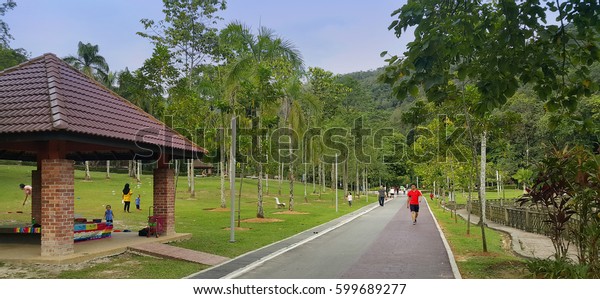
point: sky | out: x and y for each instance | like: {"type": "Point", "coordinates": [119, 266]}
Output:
{"type": "Point", "coordinates": [340, 36]}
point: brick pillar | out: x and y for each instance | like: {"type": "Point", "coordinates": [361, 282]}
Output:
{"type": "Point", "coordinates": [57, 176]}
{"type": "Point", "coordinates": [36, 195]}
{"type": "Point", "coordinates": [164, 197]}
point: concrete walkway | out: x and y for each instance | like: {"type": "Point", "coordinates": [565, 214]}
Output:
{"type": "Point", "coordinates": [168, 251]}
{"type": "Point", "coordinates": [118, 243]}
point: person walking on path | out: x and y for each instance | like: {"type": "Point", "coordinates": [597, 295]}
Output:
{"type": "Point", "coordinates": [349, 197]}
{"type": "Point", "coordinates": [382, 195]}
{"type": "Point", "coordinates": [414, 197]}
{"type": "Point", "coordinates": [27, 190]}
{"type": "Point", "coordinates": [108, 215]}
{"type": "Point", "coordinates": [126, 198]}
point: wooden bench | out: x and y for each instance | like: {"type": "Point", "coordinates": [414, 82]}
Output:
{"type": "Point", "coordinates": [280, 205]}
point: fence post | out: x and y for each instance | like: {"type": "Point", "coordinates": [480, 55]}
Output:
{"type": "Point", "coordinates": [527, 226]}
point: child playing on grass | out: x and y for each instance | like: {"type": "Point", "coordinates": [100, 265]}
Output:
{"type": "Point", "coordinates": [137, 202]}
{"type": "Point", "coordinates": [108, 215]}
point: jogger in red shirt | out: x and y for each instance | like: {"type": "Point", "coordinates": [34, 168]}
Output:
{"type": "Point", "coordinates": [413, 202]}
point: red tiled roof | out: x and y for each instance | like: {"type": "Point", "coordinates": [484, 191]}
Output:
{"type": "Point", "coordinates": [45, 94]}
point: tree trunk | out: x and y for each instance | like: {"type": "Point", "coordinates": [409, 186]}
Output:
{"type": "Point", "coordinates": [280, 176]}
{"type": "Point", "coordinates": [222, 162]}
{"type": "Point", "coordinates": [314, 177]}
{"type": "Point", "coordinates": [108, 169]}
{"type": "Point", "coordinates": [305, 179]}
{"type": "Point", "coordinates": [333, 186]}
{"type": "Point", "coordinates": [469, 205]}
{"type": "Point", "coordinates": [291, 176]}
{"type": "Point", "coordinates": [177, 164]}
{"type": "Point", "coordinates": [267, 181]}
{"type": "Point", "coordinates": [138, 175]}
{"type": "Point", "coordinates": [366, 186]}
{"type": "Point", "coordinates": [192, 180]}
{"type": "Point", "coordinates": [88, 177]}
{"type": "Point", "coordinates": [189, 174]}
{"type": "Point", "coordinates": [260, 212]}
{"type": "Point", "coordinates": [222, 175]}
{"type": "Point", "coordinates": [482, 187]}
{"type": "Point", "coordinates": [321, 179]}
{"type": "Point", "coordinates": [357, 192]}
{"type": "Point", "coordinates": [444, 198]}
{"type": "Point", "coordinates": [345, 179]}
{"type": "Point", "coordinates": [131, 169]}
{"type": "Point", "coordinates": [474, 168]}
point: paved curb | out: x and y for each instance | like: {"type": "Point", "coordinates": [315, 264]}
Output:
{"type": "Point", "coordinates": [173, 252]}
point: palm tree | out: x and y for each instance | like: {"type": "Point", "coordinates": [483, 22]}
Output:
{"type": "Point", "coordinates": [94, 66]}
{"type": "Point", "coordinates": [89, 62]}
{"type": "Point", "coordinates": [252, 62]}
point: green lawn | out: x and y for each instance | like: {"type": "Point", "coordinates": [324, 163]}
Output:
{"type": "Point", "coordinates": [193, 215]}
{"type": "Point", "coordinates": [497, 262]}
{"type": "Point", "coordinates": [509, 195]}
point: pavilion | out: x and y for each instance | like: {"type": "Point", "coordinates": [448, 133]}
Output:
{"type": "Point", "coordinates": [52, 114]}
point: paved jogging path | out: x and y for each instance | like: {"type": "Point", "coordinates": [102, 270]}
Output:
{"type": "Point", "coordinates": [380, 242]}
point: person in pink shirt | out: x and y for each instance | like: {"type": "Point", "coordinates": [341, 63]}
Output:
{"type": "Point", "coordinates": [414, 196]}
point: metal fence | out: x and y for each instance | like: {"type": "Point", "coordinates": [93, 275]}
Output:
{"type": "Point", "coordinates": [530, 219]}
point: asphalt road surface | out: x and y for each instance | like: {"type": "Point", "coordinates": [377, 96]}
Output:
{"type": "Point", "coordinates": [382, 243]}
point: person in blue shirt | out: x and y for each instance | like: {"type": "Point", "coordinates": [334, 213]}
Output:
{"type": "Point", "coordinates": [137, 202]}
{"type": "Point", "coordinates": [108, 214]}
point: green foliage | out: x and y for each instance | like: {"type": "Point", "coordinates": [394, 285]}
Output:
{"type": "Point", "coordinates": [478, 37]}
{"type": "Point", "coordinates": [328, 89]}
{"type": "Point", "coordinates": [89, 61]}
{"type": "Point", "coordinates": [523, 176]}
{"type": "Point", "coordinates": [5, 36]}
{"type": "Point", "coordinates": [147, 86]}
{"type": "Point", "coordinates": [561, 268]}
{"type": "Point", "coordinates": [187, 31]}
{"type": "Point", "coordinates": [568, 187]}
{"type": "Point", "coordinates": [11, 57]}
{"type": "Point", "coordinates": [553, 189]}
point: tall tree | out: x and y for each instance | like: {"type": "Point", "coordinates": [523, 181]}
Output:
{"type": "Point", "coordinates": [8, 57]}
{"type": "Point", "coordinates": [188, 34]}
{"type": "Point", "coordinates": [94, 66]}
{"type": "Point", "coordinates": [495, 46]}
{"type": "Point", "coordinates": [328, 94]}
{"type": "Point", "coordinates": [89, 61]}
{"type": "Point", "coordinates": [255, 66]}
{"type": "Point", "coordinates": [5, 36]}
{"type": "Point", "coordinates": [11, 57]}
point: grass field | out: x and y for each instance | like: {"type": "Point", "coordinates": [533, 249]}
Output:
{"type": "Point", "coordinates": [509, 194]}
{"type": "Point", "coordinates": [498, 262]}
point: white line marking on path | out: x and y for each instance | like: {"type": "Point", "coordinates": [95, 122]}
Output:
{"type": "Point", "coordinates": [279, 252]}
